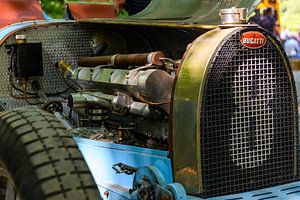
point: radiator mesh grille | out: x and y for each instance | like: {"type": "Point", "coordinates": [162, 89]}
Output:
{"type": "Point", "coordinates": [248, 120]}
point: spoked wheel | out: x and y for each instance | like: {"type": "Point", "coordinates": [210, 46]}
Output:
{"type": "Point", "coordinates": [40, 161]}
{"type": "Point", "coordinates": [8, 189]}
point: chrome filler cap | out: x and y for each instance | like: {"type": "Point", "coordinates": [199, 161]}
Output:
{"type": "Point", "coordinates": [233, 16]}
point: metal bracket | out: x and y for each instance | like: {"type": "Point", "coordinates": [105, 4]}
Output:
{"type": "Point", "coordinates": [122, 168]}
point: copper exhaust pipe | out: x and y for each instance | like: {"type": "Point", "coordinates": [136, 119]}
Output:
{"type": "Point", "coordinates": [140, 59]}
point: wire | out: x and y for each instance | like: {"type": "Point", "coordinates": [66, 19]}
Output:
{"type": "Point", "coordinates": [32, 94]}
{"type": "Point", "coordinates": [10, 70]}
{"type": "Point", "coordinates": [24, 97]}
{"type": "Point", "coordinates": [169, 60]}
{"type": "Point", "coordinates": [120, 128]}
{"type": "Point", "coordinates": [32, 103]}
{"type": "Point", "coordinates": [10, 89]}
{"type": "Point", "coordinates": [28, 93]}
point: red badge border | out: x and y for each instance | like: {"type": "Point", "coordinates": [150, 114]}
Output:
{"type": "Point", "coordinates": [253, 34]}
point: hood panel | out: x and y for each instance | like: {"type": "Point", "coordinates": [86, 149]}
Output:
{"type": "Point", "coordinates": [13, 11]}
{"type": "Point", "coordinates": [204, 12]}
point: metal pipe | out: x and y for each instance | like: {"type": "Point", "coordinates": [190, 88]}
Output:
{"type": "Point", "coordinates": [63, 121]}
{"type": "Point", "coordinates": [37, 88]}
{"type": "Point", "coordinates": [123, 59]}
{"type": "Point", "coordinates": [121, 103]}
{"type": "Point", "coordinates": [82, 99]}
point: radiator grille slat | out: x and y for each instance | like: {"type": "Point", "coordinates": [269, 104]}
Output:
{"type": "Point", "coordinates": [248, 120]}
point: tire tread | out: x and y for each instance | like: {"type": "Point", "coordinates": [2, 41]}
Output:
{"type": "Point", "coordinates": [29, 136]}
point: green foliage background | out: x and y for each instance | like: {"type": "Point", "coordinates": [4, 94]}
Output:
{"type": "Point", "coordinates": [54, 8]}
{"type": "Point", "coordinates": [290, 10]}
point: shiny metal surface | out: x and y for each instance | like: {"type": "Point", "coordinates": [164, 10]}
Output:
{"type": "Point", "coordinates": [195, 11]}
{"type": "Point", "coordinates": [187, 108]}
{"type": "Point", "coordinates": [66, 40]}
{"type": "Point", "coordinates": [143, 82]}
{"type": "Point", "coordinates": [200, 14]}
{"type": "Point", "coordinates": [249, 118]}
{"type": "Point", "coordinates": [213, 121]}
{"type": "Point", "coordinates": [233, 16]}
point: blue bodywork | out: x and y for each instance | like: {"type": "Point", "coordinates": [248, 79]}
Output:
{"type": "Point", "coordinates": [8, 30]}
{"type": "Point", "coordinates": [101, 156]}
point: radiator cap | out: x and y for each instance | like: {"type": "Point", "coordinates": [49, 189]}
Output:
{"type": "Point", "coordinates": [232, 16]}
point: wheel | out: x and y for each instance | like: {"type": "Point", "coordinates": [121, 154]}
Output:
{"type": "Point", "coordinates": [39, 161]}
{"type": "Point", "coordinates": [7, 186]}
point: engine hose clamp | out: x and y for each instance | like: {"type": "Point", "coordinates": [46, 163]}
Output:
{"type": "Point", "coordinates": [150, 58]}
{"type": "Point", "coordinates": [113, 59]}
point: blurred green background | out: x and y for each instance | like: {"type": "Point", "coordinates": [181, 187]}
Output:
{"type": "Point", "coordinates": [54, 8]}
{"type": "Point", "coordinates": [290, 11]}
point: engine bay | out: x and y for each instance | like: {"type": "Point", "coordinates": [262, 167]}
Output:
{"type": "Point", "coordinates": [111, 83]}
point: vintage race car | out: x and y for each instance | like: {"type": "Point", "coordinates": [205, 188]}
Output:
{"type": "Point", "coordinates": [169, 103]}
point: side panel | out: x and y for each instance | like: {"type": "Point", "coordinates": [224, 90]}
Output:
{"type": "Point", "coordinates": [101, 156]}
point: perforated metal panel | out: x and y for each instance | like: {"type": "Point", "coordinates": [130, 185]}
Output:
{"type": "Point", "coordinates": [65, 42]}
{"type": "Point", "coordinates": [135, 6]}
{"type": "Point", "coordinates": [248, 120]}
{"type": "Point", "coordinates": [61, 42]}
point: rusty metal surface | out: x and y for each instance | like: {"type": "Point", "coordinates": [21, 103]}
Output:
{"type": "Point", "coordinates": [123, 59]}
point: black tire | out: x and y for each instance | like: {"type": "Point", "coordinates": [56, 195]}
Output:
{"type": "Point", "coordinates": [43, 161]}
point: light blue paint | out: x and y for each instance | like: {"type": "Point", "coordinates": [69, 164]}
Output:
{"type": "Point", "coordinates": [289, 191]}
{"type": "Point", "coordinates": [7, 30]}
{"type": "Point", "coordinates": [101, 156]}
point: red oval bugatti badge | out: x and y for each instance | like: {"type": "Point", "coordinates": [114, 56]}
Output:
{"type": "Point", "coordinates": [253, 40]}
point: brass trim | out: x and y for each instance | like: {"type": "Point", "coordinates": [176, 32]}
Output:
{"type": "Point", "coordinates": [188, 95]}
{"type": "Point", "coordinates": [289, 70]}
{"type": "Point", "coordinates": [148, 23]}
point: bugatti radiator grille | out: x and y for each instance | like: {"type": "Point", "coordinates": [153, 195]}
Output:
{"type": "Point", "coordinates": [248, 120]}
